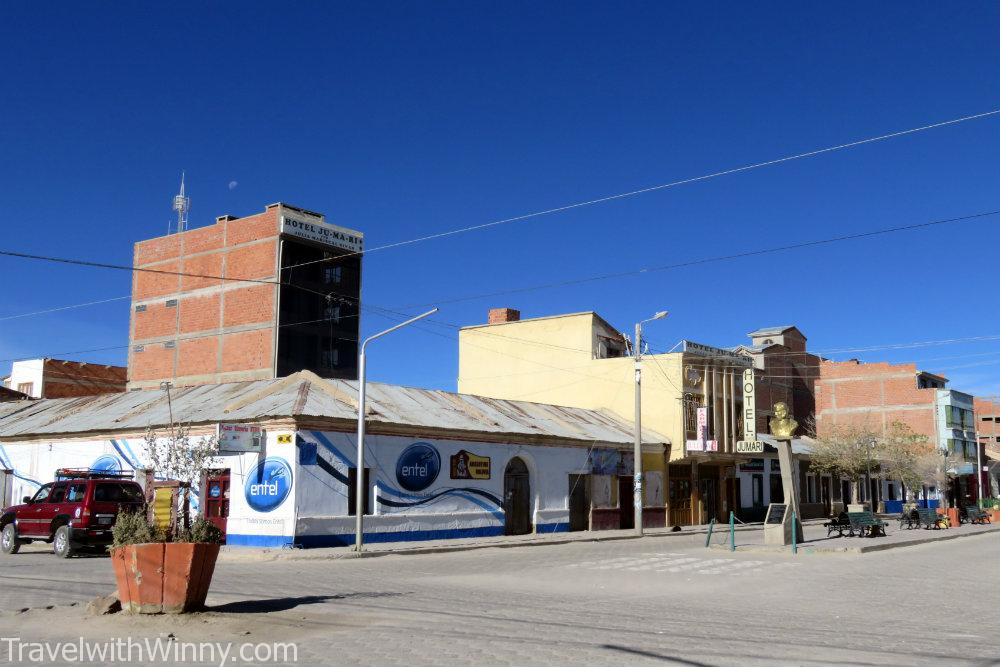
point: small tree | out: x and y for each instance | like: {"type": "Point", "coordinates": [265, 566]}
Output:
{"type": "Point", "coordinates": [180, 457]}
{"type": "Point", "coordinates": [909, 456]}
{"type": "Point", "coordinates": [845, 450]}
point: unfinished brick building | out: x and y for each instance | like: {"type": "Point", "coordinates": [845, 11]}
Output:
{"type": "Point", "coordinates": [247, 298]}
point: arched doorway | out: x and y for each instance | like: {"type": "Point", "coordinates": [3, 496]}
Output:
{"type": "Point", "coordinates": [516, 498]}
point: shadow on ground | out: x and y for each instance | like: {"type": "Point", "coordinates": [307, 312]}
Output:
{"type": "Point", "coordinates": [270, 605]}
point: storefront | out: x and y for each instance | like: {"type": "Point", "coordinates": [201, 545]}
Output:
{"type": "Point", "coordinates": [437, 465]}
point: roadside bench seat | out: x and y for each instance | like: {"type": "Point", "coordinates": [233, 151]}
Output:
{"type": "Point", "coordinates": [928, 518]}
{"type": "Point", "coordinates": [975, 515]}
{"type": "Point", "coordinates": [866, 524]}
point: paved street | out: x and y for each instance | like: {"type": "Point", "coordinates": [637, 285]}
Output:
{"type": "Point", "coordinates": [651, 601]}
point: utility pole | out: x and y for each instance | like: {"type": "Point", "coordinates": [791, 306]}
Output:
{"type": "Point", "coordinates": [637, 455]}
{"type": "Point", "coordinates": [361, 489]}
{"type": "Point", "coordinates": [165, 386]}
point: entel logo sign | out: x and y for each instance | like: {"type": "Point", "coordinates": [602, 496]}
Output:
{"type": "Point", "coordinates": [268, 484]}
{"type": "Point", "coordinates": [418, 466]}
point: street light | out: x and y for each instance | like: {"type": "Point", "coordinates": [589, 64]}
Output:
{"type": "Point", "coordinates": [361, 492]}
{"type": "Point", "coordinates": [637, 465]}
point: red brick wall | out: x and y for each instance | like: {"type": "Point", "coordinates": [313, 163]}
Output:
{"type": "Point", "coordinates": [249, 305]}
{"type": "Point", "coordinates": [247, 350]}
{"type": "Point", "coordinates": [872, 396]}
{"type": "Point", "coordinates": [231, 248]}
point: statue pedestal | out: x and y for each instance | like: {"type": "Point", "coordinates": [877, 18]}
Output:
{"type": "Point", "coordinates": [778, 524]}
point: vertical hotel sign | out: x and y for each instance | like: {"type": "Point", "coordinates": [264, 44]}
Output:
{"type": "Point", "coordinates": [750, 444]}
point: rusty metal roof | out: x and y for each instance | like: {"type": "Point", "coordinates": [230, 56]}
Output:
{"type": "Point", "coordinates": [305, 395]}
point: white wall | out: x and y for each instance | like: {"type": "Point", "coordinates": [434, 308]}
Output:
{"type": "Point", "coordinates": [27, 371]}
{"type": "Point", "coordinates": [446, 508]}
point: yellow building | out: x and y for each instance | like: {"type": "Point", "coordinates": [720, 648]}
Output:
{"type": "Point", "coordinates": [580, 360]}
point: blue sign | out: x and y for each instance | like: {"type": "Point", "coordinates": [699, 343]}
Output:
{"type": "Point", "coordinates": [418, 466]}
{"type": "Point", "coordinates": [215, 491]}
{"type": "Point", "coordinates": [106, 463]}
{"type": "Point", "coordinates": [268, 484]}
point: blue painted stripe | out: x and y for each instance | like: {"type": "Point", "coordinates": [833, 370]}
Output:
{"type": "Point", "coordinates": [134, 458]}
{"type": "Point", "coordinates": [323, 440]}
{"type": "Point", "coordinates": [122, 454]}
{"type": "Point", "coordinates": [6, 462]}
{"type": "Point", "coordinates": [552, 527]}
{"type": "Point", "coordinates": [238, 540]}
{"type": "Point", "coordinates": [347, 539]}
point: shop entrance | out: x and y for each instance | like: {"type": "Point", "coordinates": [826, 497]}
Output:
{"type": "Point", "coordinates": [626, 503]}
{"type": "Point", "coordinates": [679, 496]}
{"type": "Point", "coordinates": [579, 502]}
{"type": "Point", "coordinates": [216, 498]}
{"type": "Point", "coordinates": [709, 498]}
{"type": "Point", "coordinates": [516, 498]}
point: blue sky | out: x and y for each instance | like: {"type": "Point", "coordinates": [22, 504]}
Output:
{"type": "Point", "coordinates": [406, 119]}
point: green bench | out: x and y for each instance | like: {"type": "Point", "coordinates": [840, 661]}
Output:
{"type": "Point", "coordinates": [866, 524]}
{"type": "Point", "coordinates": [975, 515]}
{"type": "Point", "coordinates": [840, 524]}
{"type": "Point", "coordinates": [910, 519]}
{"type": "Point", "coordinates": [928, 517]}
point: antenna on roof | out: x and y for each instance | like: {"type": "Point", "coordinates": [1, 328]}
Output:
{"type": "Point", "coordinates": [182, 205]}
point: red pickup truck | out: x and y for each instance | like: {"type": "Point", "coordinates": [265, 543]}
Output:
{"type": "Point", "coordinates": [76, 511]}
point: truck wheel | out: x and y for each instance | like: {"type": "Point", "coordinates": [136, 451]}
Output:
{"type": "Point", "coordinates": [62, 544]}
{"type": "Point", "coordinates": [8, 540]}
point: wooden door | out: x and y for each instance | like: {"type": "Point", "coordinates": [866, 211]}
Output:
{"type": "Point", "coordinates": [216, 498]}
{"type": "Point", "coordinates": [626, 502]}
{"type": "Point", "coordinates": [517, 498]}
{"type": "Point", "coordinates": [579, 502]}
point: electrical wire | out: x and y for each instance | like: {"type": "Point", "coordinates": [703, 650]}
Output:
{"type": "Point", "coordinates": [672, 184]}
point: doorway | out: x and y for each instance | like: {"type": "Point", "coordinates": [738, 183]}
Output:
{"type": "Point", "coordinates": [579, 502]}
{"type": "Point", "coordinates": [626, 502]}
{"type": "Point", "coordinates": [216, 498]}
{"type": "Point", "coordinates": [516, 498]}
{"type": "Point", "coordinates": [845, 492]}
{"type": "Point", "coordinates": [709, 499]}
{"type": "Point", "coordinates": [824, 494]}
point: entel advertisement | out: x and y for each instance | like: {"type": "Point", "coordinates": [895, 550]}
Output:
{"type": "Point", "coordinates": [262, 502]}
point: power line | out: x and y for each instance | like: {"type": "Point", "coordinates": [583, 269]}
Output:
{"type": "Point", "coordinates": [672, 184]}
{"type": "Point", "coordinates": [710, 260]}
{"type": "Point", "coordinates": [62, 308]}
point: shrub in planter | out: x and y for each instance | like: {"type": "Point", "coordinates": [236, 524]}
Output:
{"type": "Point", "coordinates": [167, 571]}
{"type": "Point", "coordinates": [158, 572]}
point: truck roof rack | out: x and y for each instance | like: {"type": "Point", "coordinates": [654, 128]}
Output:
{"type": "Point", "coordinates": [88, 473]}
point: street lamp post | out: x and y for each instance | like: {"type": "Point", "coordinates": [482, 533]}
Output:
{"type": "Point", "coordinates": [637, 464]}
{"type": "Point", "coordinates": [361, 491]}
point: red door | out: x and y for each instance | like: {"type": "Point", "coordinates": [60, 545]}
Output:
{"type": "Point", "coordinates": [216, 498]}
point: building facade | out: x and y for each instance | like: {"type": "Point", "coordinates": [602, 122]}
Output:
{"type": "Point", "coordinates": [245, 299]}
{"type": "Point", "coordinates": [437, 464]}
{"type": "Point", "coordinates": [58, 378]}
{"type": "Point", "coordinates": [873, 396]}
{"type": "Point", "coordinates": [988, 431]}
{"type": "Point", "coordinates": [694, 397]}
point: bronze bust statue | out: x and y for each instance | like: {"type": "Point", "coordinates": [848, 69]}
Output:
{"type": "Point", "coordinates": [782, 424]}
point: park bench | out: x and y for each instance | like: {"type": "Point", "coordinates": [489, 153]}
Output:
{"type": "Point", "coordinates": [975, 515]}
{"type": "Point", "coordinates": [840, 524]}
{"type": "Point", "coordinates": [866, 524]}
{"type": "Point", "coordinates": [928, 517]}
{"type": "Point", "coordinates": [909, 518]}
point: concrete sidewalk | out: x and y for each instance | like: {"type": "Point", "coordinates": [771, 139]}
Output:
{"type": "Point", "coordinates": [466, 544]}
{"type": "Point", "coordinates": [816, 540]}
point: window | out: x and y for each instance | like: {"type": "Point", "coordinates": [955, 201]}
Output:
{"type": "Point", "coordinates": [139, 348]}
{"type": "Point", "coordinates": [812, 489]}
{"type": "Point", "coordinates": [42, 494]}
{"type": "Point", "coordinates": [758, 490]}
{"type": "Point", "coordinates": [26, 388]}
{"type": "Point", "coordinates": [117, 493]}
{"type": "Point", "coordinates": [76, 493]}
{"type": "Point", "coordinates": [332, 312]}
{"type": "Point", "coordinates": [331, 275]}
{"type": "Point", "coordinates": [169, 345]}
{"type": "Point", "coordinates": [330, 358]}
{"type": "Point", "coordinates": [352, 491]}
{"type": "Point", "coordinates": [58, 494]}
{"type": "Point", "coordinates": [957, 417]}
{"type": "Point", "coordinates": [171, 303]}
{"type": "Point", "coordinates": [140, 309]}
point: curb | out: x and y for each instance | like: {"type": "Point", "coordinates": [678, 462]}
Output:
{"type": "Point", "coordinates": [245, 554]}
{"type": "Point", "coordinates": [868, 548]}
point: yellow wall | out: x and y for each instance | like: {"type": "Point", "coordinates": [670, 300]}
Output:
{"type": "Point", "coordinates": [550, 360]}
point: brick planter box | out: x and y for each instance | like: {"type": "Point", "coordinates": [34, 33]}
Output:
{"type": "Point", "coordinates": [164, 578]}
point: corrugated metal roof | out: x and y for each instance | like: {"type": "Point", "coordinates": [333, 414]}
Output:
{"type": "Point", "coordinates": [306, 395]}
{"type": "Point", "coordinates": [772, 331]}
